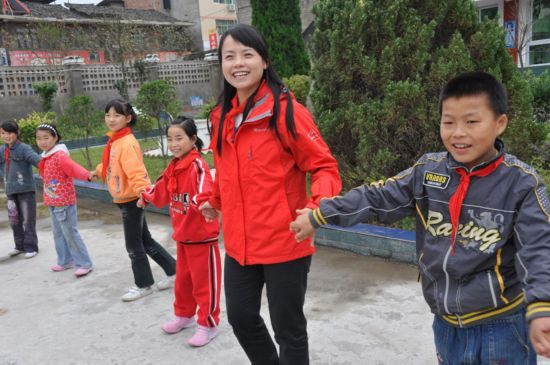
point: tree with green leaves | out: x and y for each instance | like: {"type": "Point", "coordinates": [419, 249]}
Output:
{"type": "Point", "coordinates": [47, 91]}
{"type": "Point", "coordinates": [378, 68]}
{"type": "Point", "coordinates": [155, 98]}
{"type": "Point", "coordinates": [82, 120]}
{"type": "Point", "coordinates": [280, 24]}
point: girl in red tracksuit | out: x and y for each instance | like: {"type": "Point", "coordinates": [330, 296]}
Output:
{"type": "Point", "coordinates": [185, 184]}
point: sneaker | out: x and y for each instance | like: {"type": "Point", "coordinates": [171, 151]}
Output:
{"type": "Point", "coordinates": [30, 255]}
{"type": "Point", "coordinates": [166, 283]}
{"type": "Point", "coordinates": [58, 268]}
{"type": "Point", "coordinates": [134, 293]}
{"type": "Point", "coordinates": [15, 252]}
{"type": "Point", "coordinates": [80, 272]}
{"type": "Point", "coordinates": [202, 336]}
{"type": "Point", "coordinates": [177, 324]}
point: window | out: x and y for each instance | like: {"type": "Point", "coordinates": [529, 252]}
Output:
{"type": "Point", "coordinates": [490, 12]}
{"type": "Point", "coordinates": [224, 1]}
{"type": "Point", "coordinates": [539, 47]}
{"type": "Point", "coordinates": [223, 25]}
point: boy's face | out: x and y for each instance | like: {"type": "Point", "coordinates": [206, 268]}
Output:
{"type": "Point", "coordinates": [469, 128]}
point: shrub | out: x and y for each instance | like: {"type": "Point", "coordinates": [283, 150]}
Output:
{"type": "Point", "coordinates": [28, 125]}
{"type": "Point", "coordinates": [299, 85]}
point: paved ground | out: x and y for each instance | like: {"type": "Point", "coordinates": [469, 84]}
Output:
{"type": "Point", "coordinates": [360, 310]}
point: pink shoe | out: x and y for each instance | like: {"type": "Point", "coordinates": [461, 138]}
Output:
{"type": "Point", "coordinates": [58, 268]}
{"type": "Point", "coordinates": [80, 272]}
{"type": "Point", "coordinates": [202, 336]}
{"type": "Point", "coordinates": [177, 324]}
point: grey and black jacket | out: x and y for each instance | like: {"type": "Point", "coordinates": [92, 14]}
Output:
{"type": "Point", "coordinates": [19, 178]}
{"type": "Point", "coordinates": [501, 259]}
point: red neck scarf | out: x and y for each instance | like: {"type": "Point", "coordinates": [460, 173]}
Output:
{"type": "Point", "coordinates": [7, 157]}
{"type": "Point", "coordinates": [107, 152]}
{"type": "Point", "coordinates": [176, 167]}
{"type": "Point", "coordinates": [455, 203]}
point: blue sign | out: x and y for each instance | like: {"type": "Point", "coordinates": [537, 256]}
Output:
{"type": "Point", "coordinates": [196, 101]}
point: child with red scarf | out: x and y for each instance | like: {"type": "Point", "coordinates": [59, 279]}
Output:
{"type": "Point", "coordinates": [58, 170]}
{"type": "Point", "coordinates": [123, 171]}
{"type": "Point", "coordinates": [16, 161]}
{"type": "Point", "coordinates": [483, 231]}
{"type": "Point", "coordinates": [185, 184]}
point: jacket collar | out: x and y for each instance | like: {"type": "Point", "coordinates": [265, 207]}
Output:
{"type": "Point", "coordinates": [453, 164]}
{"type": "Point", "coordinates": [58, 147]}
{"type": "Point", "coordinates": [263, 105]}
{"type": "Point", "coordinates": [185, 162]}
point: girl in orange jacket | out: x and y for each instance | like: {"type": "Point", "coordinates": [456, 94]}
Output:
{"type": "Point", "coordinates": [123, 171]}
{"type": "Point", "coordinates": [185, 184]}
{"type": "Point", "coordinates": [264, 144]}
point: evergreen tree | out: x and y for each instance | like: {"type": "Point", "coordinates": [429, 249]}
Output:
{"type": "Point", "coordinates": [280, 24]}
{"type": "Point", "coordinates": [378, 69]}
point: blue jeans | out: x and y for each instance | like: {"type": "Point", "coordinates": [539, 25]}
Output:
{"type": "Point", "coordinates": [500, 341]}
{"type": "Point", "coordinates": [68, 244]}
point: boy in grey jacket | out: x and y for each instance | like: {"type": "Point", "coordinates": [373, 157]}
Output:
{"type": "Point", "coordinates": [16, 160]}
{"type": "Point", "coordinates": [483, 231]}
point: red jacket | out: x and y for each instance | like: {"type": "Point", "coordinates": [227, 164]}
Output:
{"type": "Point", "coordinates": [190, 186]}
{"type": "Point", "coordinates": [58, 173]}
{"type": "Point", "coordinates": [261, 180]}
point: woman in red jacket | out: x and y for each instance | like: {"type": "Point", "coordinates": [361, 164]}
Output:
{"type": "Point", "coordinates": [185, 184]}
{"type": "Point", "coordinates": [264, 144]}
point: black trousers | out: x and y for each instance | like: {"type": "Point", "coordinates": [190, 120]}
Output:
{"type": "Point", "coordinates": [286, 285]}
{"type": "Point", "coordinates": [139, 244]}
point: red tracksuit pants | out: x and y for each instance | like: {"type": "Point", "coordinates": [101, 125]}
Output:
{"type": "Point", "coordinates": [198, 283]}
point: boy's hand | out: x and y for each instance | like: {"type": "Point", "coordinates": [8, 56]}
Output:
{"type": "Point", "coordinates": [209, 213]}
{"type": "Point", "coordinates": [539, 332]}
{"type": "Point", "coordinates": [92, 175]}
{"type": "Point", "coordinates": [302, 226]}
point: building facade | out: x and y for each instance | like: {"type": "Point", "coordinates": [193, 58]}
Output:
{"type": "Point", "coordinates": [527, 25]}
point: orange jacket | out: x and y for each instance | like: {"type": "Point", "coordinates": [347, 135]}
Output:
{"type": "Point", "coordinates": [261, 180]}
{"type": "Point", "coordinates": [126, 174]}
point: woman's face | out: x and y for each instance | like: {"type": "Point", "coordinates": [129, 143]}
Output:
{"type": "Point", "coordinates": [242, 67]}
{"type": "Point", "coordinates": [116, 121]}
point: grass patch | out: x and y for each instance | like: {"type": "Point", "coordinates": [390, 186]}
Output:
{"type": "Point", "coordinates": [154, 165]}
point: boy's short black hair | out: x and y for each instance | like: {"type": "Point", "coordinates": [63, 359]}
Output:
{"type": "Point", "coordinates": [476, 83]}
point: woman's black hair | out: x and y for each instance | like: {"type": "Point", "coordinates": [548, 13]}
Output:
{"type": "Point", "coordinates": [251, 37]}
{"type": "Point", "coordinates": [51, 129]}
{"type": "Point", "coordinates": [122, 107]}
{"type": "Point", "coordinates": [189, 127]}
{"type": "Point", "coordinates": [10, 126]}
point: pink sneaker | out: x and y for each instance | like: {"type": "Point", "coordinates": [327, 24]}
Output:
{"type": "Point", "coordinates": [202, 336]}
{"type": "Point", "coordinates": [177, 324]}
{"type": "Point", "coordinates": [80, 272]}
{"type": "Point", "coordinates": [58, 268]}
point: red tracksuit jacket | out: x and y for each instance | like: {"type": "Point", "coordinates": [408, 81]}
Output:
{"type": "Point", "coordinates": [191, 185]}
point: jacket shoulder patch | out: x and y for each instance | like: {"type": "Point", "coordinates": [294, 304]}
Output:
{"type": "Point", "coordinates": [435, 180]}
